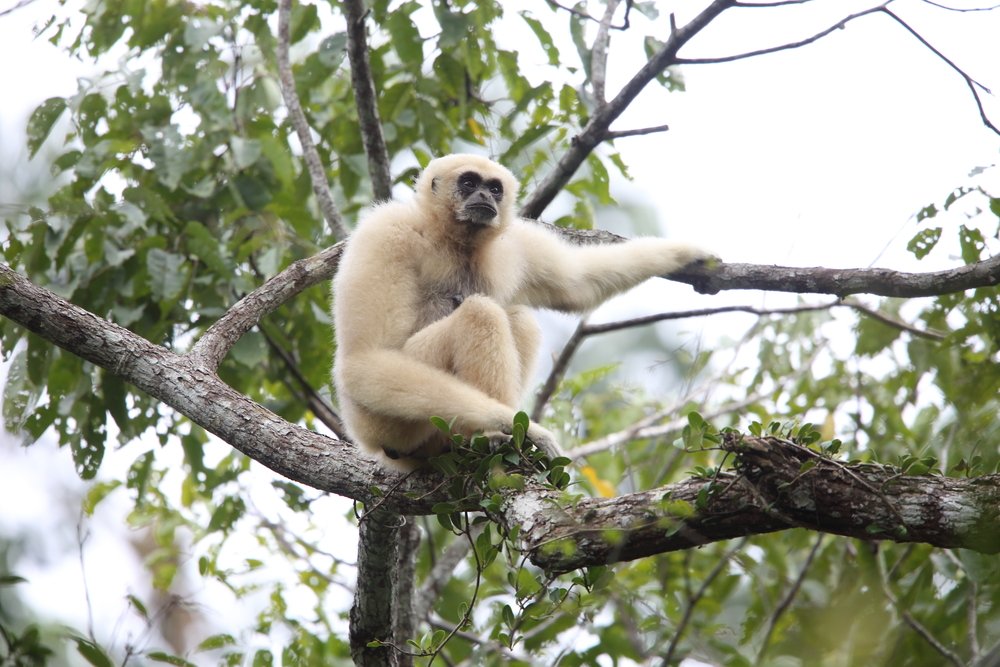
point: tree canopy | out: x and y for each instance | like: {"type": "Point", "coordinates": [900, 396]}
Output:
{"type": "Point", "coordinates": [822, 487]}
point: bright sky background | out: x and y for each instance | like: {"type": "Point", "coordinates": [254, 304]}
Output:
{"type": "Point", "coordinates": [817, 156]}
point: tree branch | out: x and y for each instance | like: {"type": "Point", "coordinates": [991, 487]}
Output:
{"type": "Point", "coordinates": [218, 339]}
{"type": "Point", "coordinates": [969, 81]}
{"type": "Point", "coordinates": [365, 100]}
{"type": "Point", "coordinates": [840, 25]}
{"type": "Point", "coordinates": [770, 492]}
{"type": "Point", "coordinates": [841, 282]}
{"type": "Point", "coordinates": [317, 174]}
{"type": "Point", "coordinates": [596, 130]}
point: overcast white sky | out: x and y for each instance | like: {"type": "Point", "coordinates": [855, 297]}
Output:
{"type": "Point", "coordinates": [818, 156]}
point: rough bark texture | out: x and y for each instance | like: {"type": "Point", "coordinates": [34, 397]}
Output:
{"type": "Point", "coordinates": [770, 490]}
{"type": "Point", "coordinates": [777, 485]}
{"type": "Point", "coordinates": [385, 545]}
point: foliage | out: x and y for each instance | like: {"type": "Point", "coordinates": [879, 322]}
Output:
{"type": "Point", "coordinates": [178, 189]}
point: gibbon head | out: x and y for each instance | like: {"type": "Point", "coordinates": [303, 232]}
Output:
{"type": "Point", "coordinates": [468, 190]}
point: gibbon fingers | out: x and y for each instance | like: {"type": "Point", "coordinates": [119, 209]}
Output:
{"type": "Point", "coordinates": [432, 307]}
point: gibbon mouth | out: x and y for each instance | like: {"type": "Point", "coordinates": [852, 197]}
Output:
{"type": "Point", "coordinates": [483, 206]}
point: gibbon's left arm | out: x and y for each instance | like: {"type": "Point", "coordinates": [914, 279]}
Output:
{"type": "Point", "coordinates": [577, 278]}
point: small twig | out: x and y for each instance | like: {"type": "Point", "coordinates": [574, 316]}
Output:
{"type": "Point", "coordinates": [599, 53]}
{"type": "Point", "coordinates": [558, 370]}
{"type": "Point", "coordinates": [969, 81]}
{"type": "Point", "coordinates": [916, 625]}
{"type": "Point", "coordinates": [645, 429]}
{"type": "Point", "coordinates": [317, 175]}
{"type": "Point", "coordinates": [930, 334]}
{"type": "Point", "coordinates": [307, 393]}
{"type": "Point", "coordinates": [783, 47]}
{"type": "Point", "coordinates": [696, 598]}
{"type": "Point", "coordinates": [620, 134]}
{"type": "Point", "coordinates": [786, 602]}
{"type": "Point", "coordinates": [584, 15]}
{"type": "Point", "coordinates": [960, 9]}
{"type": "Point", "coordinates": [779, 3]}
{"type": "Point", "coordinates": [19, 5]}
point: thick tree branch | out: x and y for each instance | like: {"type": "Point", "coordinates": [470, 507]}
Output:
{"type": "Point", "coordinates": [317, 174]}
{"type": "Point", "coordinates": [772, 490]}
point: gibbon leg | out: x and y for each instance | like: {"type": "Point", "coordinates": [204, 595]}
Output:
{"type": "Point", "coordinates": [527, 339]}
{"type": "Point", "coordinates": [480, 344]}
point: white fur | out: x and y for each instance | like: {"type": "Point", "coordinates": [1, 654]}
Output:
{"type": "Point", "coordinates": [403, 355]}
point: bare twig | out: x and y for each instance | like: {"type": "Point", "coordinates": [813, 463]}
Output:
{"type": "Point", "coordinates": [20, 5]}
{"type": "Point", "coordinates": [783, 47]}
{"type": "Point", "coordinates": [693, 600]}
{"type": "Point", "coordinates": [916, 625]}
{"type": "Point", "coordinates": [599, 53]}
{"type": "Point", "coordinates": [559, 366]}
{"type": "Point", "coordinates": [584, 329]}
{"type": "Point", "coordinates": [306, 392]}
{"type": "Point", "coordinates": [317, 174]}
{"type": "Point", "coordinates": [621, 134]}
{"type": "Point", "coordinates": [969, 81]}
{"type": "Point", "coordinates": [364, 99]}
{"type": "Point", "coordinates": [786, 602]}
{"type": "Point", "coordinates": [961, 9]}
{"type": "Point", "coordinates": [584, 15]}
{"type": "Point", "coordinates": [648, 428]}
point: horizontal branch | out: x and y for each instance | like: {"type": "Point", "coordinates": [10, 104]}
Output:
{"type": "Point", "coordinates": [773, 489]}
{"type": "Point", "coordinates": [769, 492]}
{"type": "Point", "coordinates": [841, 282]}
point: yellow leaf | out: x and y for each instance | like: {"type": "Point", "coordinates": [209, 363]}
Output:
{"type": "Point", "coordinates": [603, 487]}
{"type": "Point", "coordinates": [827, 432]}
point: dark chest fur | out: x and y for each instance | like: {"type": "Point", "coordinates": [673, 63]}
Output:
{"type": "Point", "coordinates": [441, 295]}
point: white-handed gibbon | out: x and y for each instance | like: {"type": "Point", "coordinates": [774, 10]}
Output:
{"type": "Point", "coordinates": [432, 307]}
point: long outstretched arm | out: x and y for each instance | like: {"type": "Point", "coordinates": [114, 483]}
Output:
{"type": "Point", "coordinates": [575, 278]}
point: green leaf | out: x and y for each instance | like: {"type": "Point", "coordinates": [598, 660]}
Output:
{"type": "Point", "coordinates": [216, 642]}
{"type": "Point", "coordinates": [92, 653]}
{"type": "Point", "coordinates": [160, 656]}
{"type": "Point", "coordinates": [41, 121]}
{"type": "Point", "coordinates": [168, 274]}
{"type": "Point", "coordinates": [924, 241]}
{"type": "Point", "coordinates": [97, 493]}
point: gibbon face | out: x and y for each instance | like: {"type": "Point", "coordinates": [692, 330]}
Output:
{"type": "Point", "coordinates": [469, 190]}
{"type": "Point", "coordinates": [432, 307]}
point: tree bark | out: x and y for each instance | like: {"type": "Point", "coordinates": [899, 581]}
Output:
{"type": "Point", "coordinates": [383, 607]}
{"type": "Point", "coordinates": [776, 485]}
{"type": "Point", "coordinates": [769, 491]}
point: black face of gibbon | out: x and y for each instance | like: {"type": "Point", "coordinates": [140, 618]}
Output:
{"type": "Point", "coordinates": [480, 198]}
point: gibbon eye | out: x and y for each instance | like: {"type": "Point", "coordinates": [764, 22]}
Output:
{"type": "Point", "coordinates": [468, 181]}
{"type": "Point", "coordinates": [496, 189]}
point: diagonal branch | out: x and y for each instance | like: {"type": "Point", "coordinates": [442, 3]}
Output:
{"type": "Point", "coordinates": [596, 130]}
{"type": "Point", "coordinates": [317, 174]}
{"type": "Point", "coordinates": [969, 81]}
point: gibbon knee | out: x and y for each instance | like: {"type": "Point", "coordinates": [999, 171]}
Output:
{"type": "Point", "coordinates": [431, 304]}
